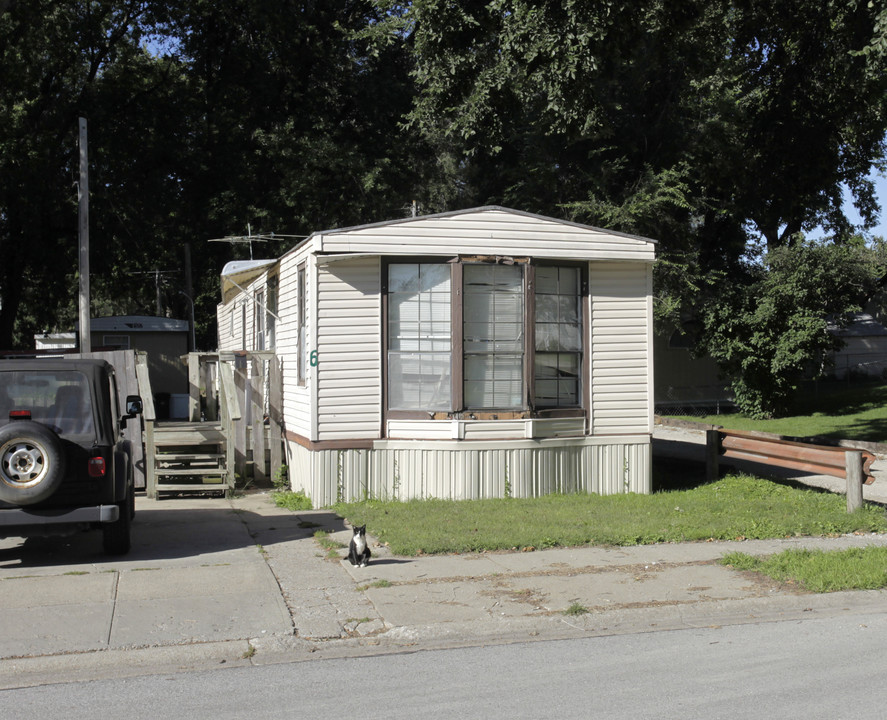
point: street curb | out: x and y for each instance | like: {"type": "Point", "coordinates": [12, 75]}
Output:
{"type": "Point", "coordinates": [174, 659]}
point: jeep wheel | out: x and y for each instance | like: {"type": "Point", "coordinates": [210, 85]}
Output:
{"type": "Point", "coordinates": [32, 462]}
{"type": "Point", "coordinates": [117, 536]}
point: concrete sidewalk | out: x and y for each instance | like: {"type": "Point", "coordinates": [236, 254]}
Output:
{"type": "Point", "coordinates": [215, 582]}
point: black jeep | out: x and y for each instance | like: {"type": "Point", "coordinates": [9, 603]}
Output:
{"type": "Point", "coordinates": [64, 464]}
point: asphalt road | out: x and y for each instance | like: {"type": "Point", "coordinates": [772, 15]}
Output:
{"type": "Point", "coordinates": [819, 668]}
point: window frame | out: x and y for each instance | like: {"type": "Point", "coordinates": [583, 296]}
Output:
{"type": "Point", "coordinates": [273, 294]}
{"type": "Point", "coordinates": [457, 359]}
{"type": "Point", "coordinates": [585, 334]}
{"type": "Point", "coordinates": [259, 320]}
{"type": "Point", "coordinates": [302, 324]}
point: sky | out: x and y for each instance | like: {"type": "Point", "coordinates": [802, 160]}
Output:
{"type": "Point", "coordinates": [881, 194]}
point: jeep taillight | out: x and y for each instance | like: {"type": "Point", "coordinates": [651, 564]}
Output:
{"type": "Point", "coordinates": [97, 467]}
{"type": "Point", "coordinates": [19, 414]}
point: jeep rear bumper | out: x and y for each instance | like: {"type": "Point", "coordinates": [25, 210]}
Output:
{"type": "Point", "coordinates": [17, 517]}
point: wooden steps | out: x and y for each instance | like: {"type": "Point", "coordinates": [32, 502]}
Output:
{"type": "Point", "coordinates": [188, 456]}
{"type": "Point", "coordinates": [240, 393]}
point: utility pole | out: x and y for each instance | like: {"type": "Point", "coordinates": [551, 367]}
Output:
{"type": "Point", "coordinates": [158, 281]}
{"type": "Point", "coordinates": [83, 205]}
{"type": "Point", "coordinates": [189, 294]}
{"type": "Point", "coordinates": [157, 291]}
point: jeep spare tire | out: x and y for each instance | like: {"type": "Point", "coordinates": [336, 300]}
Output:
{"type": "Point", "coordinates": [32, 462]}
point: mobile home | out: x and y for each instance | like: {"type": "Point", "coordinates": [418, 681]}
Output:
{"type": "Point", "coordinates": [471, 354]}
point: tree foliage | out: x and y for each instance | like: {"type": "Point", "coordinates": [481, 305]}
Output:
{"type": "Point", "coordinates": [700, 119]}
{"type": "Point", "coordinates": [770, 326]}
{"type": "Point", "coordinates": [204, 117]}
{"type": "Point", "coordinates": [52, 57]}
{"type": "Point", "coordinates": [725, 129]}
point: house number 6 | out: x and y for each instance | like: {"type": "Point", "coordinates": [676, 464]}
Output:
{"type": "Point", "coordinates": [312, 358]}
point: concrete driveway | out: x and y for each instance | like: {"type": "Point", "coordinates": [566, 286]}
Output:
{"type": "Point", "coordinates": [236, 582]}
{"type": "Point", "coordinates": [194, 576]}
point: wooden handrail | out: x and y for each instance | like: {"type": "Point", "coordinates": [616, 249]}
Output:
{"type": "Point", "coordinates": [144, 380]}
{"type": "Point", "coordinates": [229, 391]}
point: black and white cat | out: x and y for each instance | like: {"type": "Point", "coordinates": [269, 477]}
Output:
{"type": "Point", "coordinates": [358, 550]}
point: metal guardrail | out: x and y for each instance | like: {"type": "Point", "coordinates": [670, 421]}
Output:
{"type": "Point", "coordinates": [773, 450]}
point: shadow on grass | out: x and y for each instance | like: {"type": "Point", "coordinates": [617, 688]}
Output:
{"type": "Point", "coordinates": [838, 398]}
{"type": "Point", "coordinates": [670, 474]}
{"type": "Point", "coordinates": [872, 430]}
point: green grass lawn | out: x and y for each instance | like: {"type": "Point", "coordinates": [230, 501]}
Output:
{"type": "Point", "coordinates": [818, 570]}
{"type": "Point", "coordinates": [734, 507]}
{"type": "Point", "coordinates": [828, 409]}
{"type": "Point", "coordinates": [737, 506]}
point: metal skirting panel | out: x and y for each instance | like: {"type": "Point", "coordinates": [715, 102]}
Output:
{"type": "Point", "coordinates": [298, 464]}
{"type": "Point", "coordinates": [426, 471]}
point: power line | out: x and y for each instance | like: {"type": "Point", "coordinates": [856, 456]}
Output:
{"type": "Point", "coordinates": [158, 275]}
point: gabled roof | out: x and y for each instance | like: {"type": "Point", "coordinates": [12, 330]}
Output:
{"type": "Point", "coordinates": [488, 230]}
{"type": "Point", "coordinates": [457, 214]}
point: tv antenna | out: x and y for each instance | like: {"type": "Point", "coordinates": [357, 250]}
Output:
{"type": "Point", "coordinates": [250, 238]}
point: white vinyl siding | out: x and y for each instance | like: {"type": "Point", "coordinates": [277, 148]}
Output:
{"type": "Point", "coordinates": [413, 455]}
{"type": "Point", "coordinates": [489, 231]}
{"type": "Point", "coordinates": [225, 325]}
{"type": "Point", "coordinates": [241, 320]}
{"type": "Point", "coordinates": [621, 348]}
{"type": "Point", "coordinates": [349, 350]}
{"type": "Point", "coordinates": [297, 409]}
{"type": "Point", "coordinates": [485, 429]}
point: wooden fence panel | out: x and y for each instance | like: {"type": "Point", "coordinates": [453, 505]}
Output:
{"type": "Point", "coordinates": [257, 411]}
{"type": "Point", "coordinates": [124, 363]}
{"type": "Point", "coordinates": [275, 413]}
{"type": "Point", "coordinates": [241, 385]}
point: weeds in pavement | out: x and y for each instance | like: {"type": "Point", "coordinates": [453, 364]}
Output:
{"type": "Point", "coordinates": [820, 570]}
{"type": "Point", "coordinates": [331, 546]}
{"type": "Point", "coordinates": [576, 609]}
{"type": "Point", "coordinates": [377, 584]}
{"type": "Point", "coordinates": [290, 500]}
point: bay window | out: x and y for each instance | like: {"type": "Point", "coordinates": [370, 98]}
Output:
{"type": "Point", "coordinates": [558, 330]}
{"type": "Point", "coordinates": [483, 337]}
{"type": "Point", "coordinates": [419, 336]}
{"type": "Point", "coordinates": [493, 336]}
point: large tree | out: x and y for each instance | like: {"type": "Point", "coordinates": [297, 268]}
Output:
{"type": "Point", "coordinates": [724, 129]}
{"type": "Point", "coordinates": [747, 113]}
{"type": "Point", "coordinates": [772, 325]}
{"type": "Point", "coordinates": [54, 56]}
{"type": "Point", "coordinates": [205, 118]}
